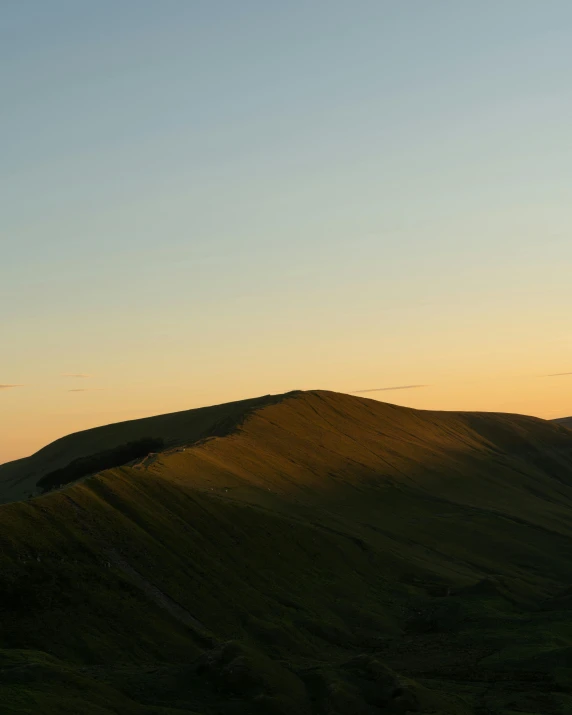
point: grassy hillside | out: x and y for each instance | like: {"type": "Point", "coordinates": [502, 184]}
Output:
{"type": "Point", "coordinates": [19, 479]}
{"type": "Point", "coordinates": [308, 553]}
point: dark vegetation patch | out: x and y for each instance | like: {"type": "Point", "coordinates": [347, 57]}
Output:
{"type": "Point", "coordinates": [84, 466]}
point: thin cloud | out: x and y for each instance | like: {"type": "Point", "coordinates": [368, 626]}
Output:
{"type": "Point", "coordinates": [559, 374]}
{"type": "Point", "coordinates": [75, 374]}
{"type": "Point", "coordinates": [387, 389]}
{"type": "Point", "coordinates": [9, 387]}
{"type": "Point", "coordinates": [86, 389]}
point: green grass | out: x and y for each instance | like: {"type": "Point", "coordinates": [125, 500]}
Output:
{"type": "Point", "coordinates": [330, 555]}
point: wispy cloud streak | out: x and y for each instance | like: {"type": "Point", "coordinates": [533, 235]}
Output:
{"type": "Point", "coordinates": [387, 389]}
{"type": "Point", "coordinates": [86, 389]}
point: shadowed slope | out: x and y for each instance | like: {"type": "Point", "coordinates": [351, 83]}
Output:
{"type": "Point", "coordinates": [329, 555]}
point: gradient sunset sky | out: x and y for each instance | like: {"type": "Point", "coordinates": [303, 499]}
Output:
{"type": "Point", "coordinates": [205, 201]}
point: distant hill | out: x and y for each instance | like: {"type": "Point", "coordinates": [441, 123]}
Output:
{"type": "Point", "coordinates": [310, 553]}
{"type": "Point", "coordinates": [566, 421]}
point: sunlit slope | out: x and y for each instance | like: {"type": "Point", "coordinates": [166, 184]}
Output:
{"type": "Point", "coordinates": [331, 538]}
{"type": "Point", "coordinates": [18, 479]}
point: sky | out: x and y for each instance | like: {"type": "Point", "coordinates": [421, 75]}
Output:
{"type": "Point", "coordinates": [207, 201]}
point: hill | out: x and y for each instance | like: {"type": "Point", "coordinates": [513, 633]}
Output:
{"type": "Point", "coordinates": [565, 421]}
{"type": "Point", "coordinates": [20, 478]}
{"type": "Point", "coordinates": [305, 553]}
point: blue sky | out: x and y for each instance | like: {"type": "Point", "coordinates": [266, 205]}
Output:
{"type": "Point", "coordinates": [205, 201]}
